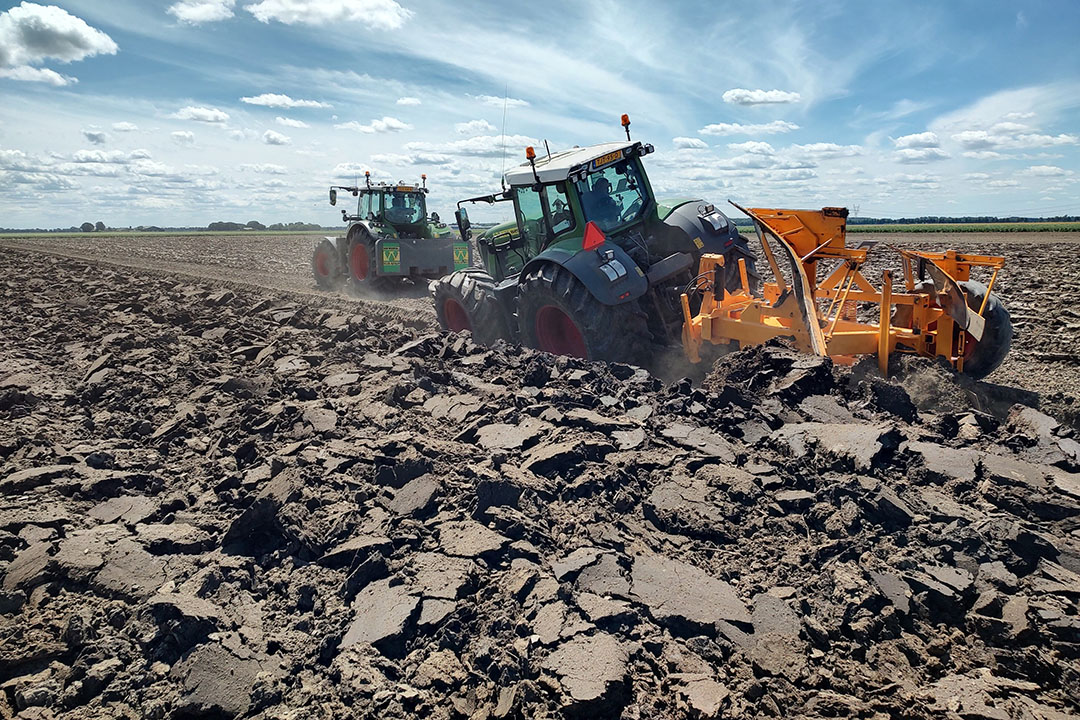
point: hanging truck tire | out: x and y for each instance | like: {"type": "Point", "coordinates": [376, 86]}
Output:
{"type": "Point", "coordinates": [465, 300]}
{"type": "Point", "coordinates": [557, 314]}
{"type": "Point", "coordinates": [326, 266]}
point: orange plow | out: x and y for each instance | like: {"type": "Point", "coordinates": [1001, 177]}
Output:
{"type": "Point", "coordinates": [939, 310]}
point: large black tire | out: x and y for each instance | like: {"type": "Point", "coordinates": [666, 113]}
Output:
{"type": "Point", "coordinates": [980, 357]}
{"type": "Point", "coordinates": [360, 263]}
{"type": "Point", "coordinates": [985, 356]}
{"type": "Point", "coordinates": [557, 314]}
{"type": "Point", "coordinates": [465, 300]}
{"type": "Point", "coordinates": [326, 266]}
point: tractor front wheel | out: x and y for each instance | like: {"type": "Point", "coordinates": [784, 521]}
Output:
{"type": "Point", "coordinates": [326, 266]}
{"type": "Point", "coordinates": [557, 314]}
{"type": "Point", "coordinates": [465, 300]}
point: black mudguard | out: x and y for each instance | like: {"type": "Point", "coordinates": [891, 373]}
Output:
{"type": "Point", "coordinates": [612, 280]}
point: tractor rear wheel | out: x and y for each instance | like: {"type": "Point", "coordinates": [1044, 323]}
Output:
{"type": "Point", "coordinates": [982, 357]}
{"type": "Point", "coordinates": [465, 300]}
{"type": "Point", "coordinates": [557, 314]}
{"type": "Point", "coordinates": [361, 263]}
{"type": "Point", "coordinates": [326, 266]}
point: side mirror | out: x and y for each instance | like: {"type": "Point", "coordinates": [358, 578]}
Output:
{"type": "Point", "coordinates": [333, 196]}
{"type": "Point", "coordinates": [434, 217]}
{"type": "Point", "coordinates": [463, 223]}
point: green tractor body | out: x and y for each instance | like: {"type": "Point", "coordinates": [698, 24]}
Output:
{"type": "Point", "coordinates": [390, 236]}
{"type": "Point", "coordinates": [593, 265]}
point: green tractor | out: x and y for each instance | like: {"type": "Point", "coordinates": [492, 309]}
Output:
{"type": "Point", "coordinates": [593, 265]}
{"type": "Point", "coordinates": [391, 236]}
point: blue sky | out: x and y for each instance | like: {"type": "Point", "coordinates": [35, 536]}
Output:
{"type": "Point", "coordinates": [185, 112]}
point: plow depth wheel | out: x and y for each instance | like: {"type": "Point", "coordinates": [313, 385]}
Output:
{"type": "Point", "coordinates": [982, 357]}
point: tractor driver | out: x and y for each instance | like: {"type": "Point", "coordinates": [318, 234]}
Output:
{"type": "Point", "coordinates": [599, 205]}
{"type": "Point", "coordinates": [399, 210]}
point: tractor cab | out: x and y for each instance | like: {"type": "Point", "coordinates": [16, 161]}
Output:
{"type": "Point", "coordinates": [396, 209]}
{"type": "Point", "coordinates": [556, 198]}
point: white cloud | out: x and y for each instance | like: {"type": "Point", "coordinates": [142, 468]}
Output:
{"type": "Point", "coordinates": [771, 128]}
{"type": "Point", "coordinates": [408, 101]}
{"type": "Point", "coordinates": [376, 14]}
{"type": "Point", "coordinates": [420, 158]}
{"type": "Point", "coordinates": [275, 138]}
{"type": "Point", "coordinates": [977, 176]}
{"type": "Point", "coordinates": [117, 157]}
{"type": "Point", "coordinates": [25, 73]}
{"type": "Point", "coordinates": [1046, 171]}
{"type": "Point", "coordinates": [201, 11]}
{"type": "Point", "coordinates": [386, 124]}
{"type": "Point", "coordinates": [32, 33]}
{"type": "Point", "coordinates": [753, 147]}
{"type": "Point", "coordinates": [277, 100]}
{"type": "Point", "coordinates": [201, 114]}
{"type": "Point", "coordinates": [986, 139]}
{"type": "Point", "coordinates": [826, 151]}
{"type": "Point", "coordinates": [124, 127]}
{"type": "Point", "coordinates": [983, 155]}
{"type": "Point", "coordinates": [689, 143]}
{"type": "Point", "coordinates": [479, 146]}
{"type": "Point", "coordinates": [266, 168]}
{"type": "Point", "coordinates": [289, 122]}
{"type": "Point", "coordinates": [1003, 184]}
{"type": "Point", "coordinates": [183, 137]}
{"type": "Point", "coordinates": [351, 170]}
{"type": "Point", "coordinates": [918, 140]}
{"type": "Point", "coordinates": [474, 127]}
{"type": "Point", "coordinates": [496, 101]}
{"type": "Point", "coordinates": [97, 137]}
{"type": "Point", "coordinates": [742, 96]}
{"type": "Point", "coordinates": [920, 155]}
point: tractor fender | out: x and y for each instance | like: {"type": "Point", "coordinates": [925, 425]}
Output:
{"type": "Point", "coordinates": [608, 273]}
{"type": "Point", "coordinates": [707, 229]}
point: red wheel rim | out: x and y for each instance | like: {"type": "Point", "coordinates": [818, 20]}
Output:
{"type": "Point", "coordinates": [358, 262]}
{"type": "Point", "coordinates": [557, 334]}
{"type": "Point", "coordinates": [456, 318]}
{"type": "Point", "coordinates": [321, 264]}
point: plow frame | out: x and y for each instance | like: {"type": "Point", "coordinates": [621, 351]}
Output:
{"type": "Point", "coordinates": [820, 317]}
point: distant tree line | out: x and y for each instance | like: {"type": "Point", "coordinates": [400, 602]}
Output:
{"type": "Point", "coordinates": [940, 219]}
{"type": "Point", "coordinates": [256, 225]}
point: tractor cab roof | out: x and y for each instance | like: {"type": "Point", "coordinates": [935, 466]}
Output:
{"type": "Point", "coordinates": [567, 163]}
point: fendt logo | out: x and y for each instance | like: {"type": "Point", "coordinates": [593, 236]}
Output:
{"type": "Point", "coordinates": [391, 258]}
{"type": "Point", "coordinates": [461, 256]}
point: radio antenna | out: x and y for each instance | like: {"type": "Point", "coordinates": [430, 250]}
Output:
{"type": "Point", "coordinates": [502, 173]}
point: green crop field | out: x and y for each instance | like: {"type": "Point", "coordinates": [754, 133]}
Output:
{"type": "Point", "coordinates": [1004, 227]}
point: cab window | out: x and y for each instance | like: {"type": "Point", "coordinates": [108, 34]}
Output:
{"type": "Point", "coordinates": [613, 196]}
{"type": "Point", "coordinates": [530, 215]}
{"type": "Point", "coordinates": [365, 210]}
{"type": "Point", "coordinates": [562, 217]}
{"type": "Point", "coordinates": [405, 207]}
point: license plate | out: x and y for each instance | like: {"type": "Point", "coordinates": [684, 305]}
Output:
{"type": "Point", "coordinates": [605, 159]}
